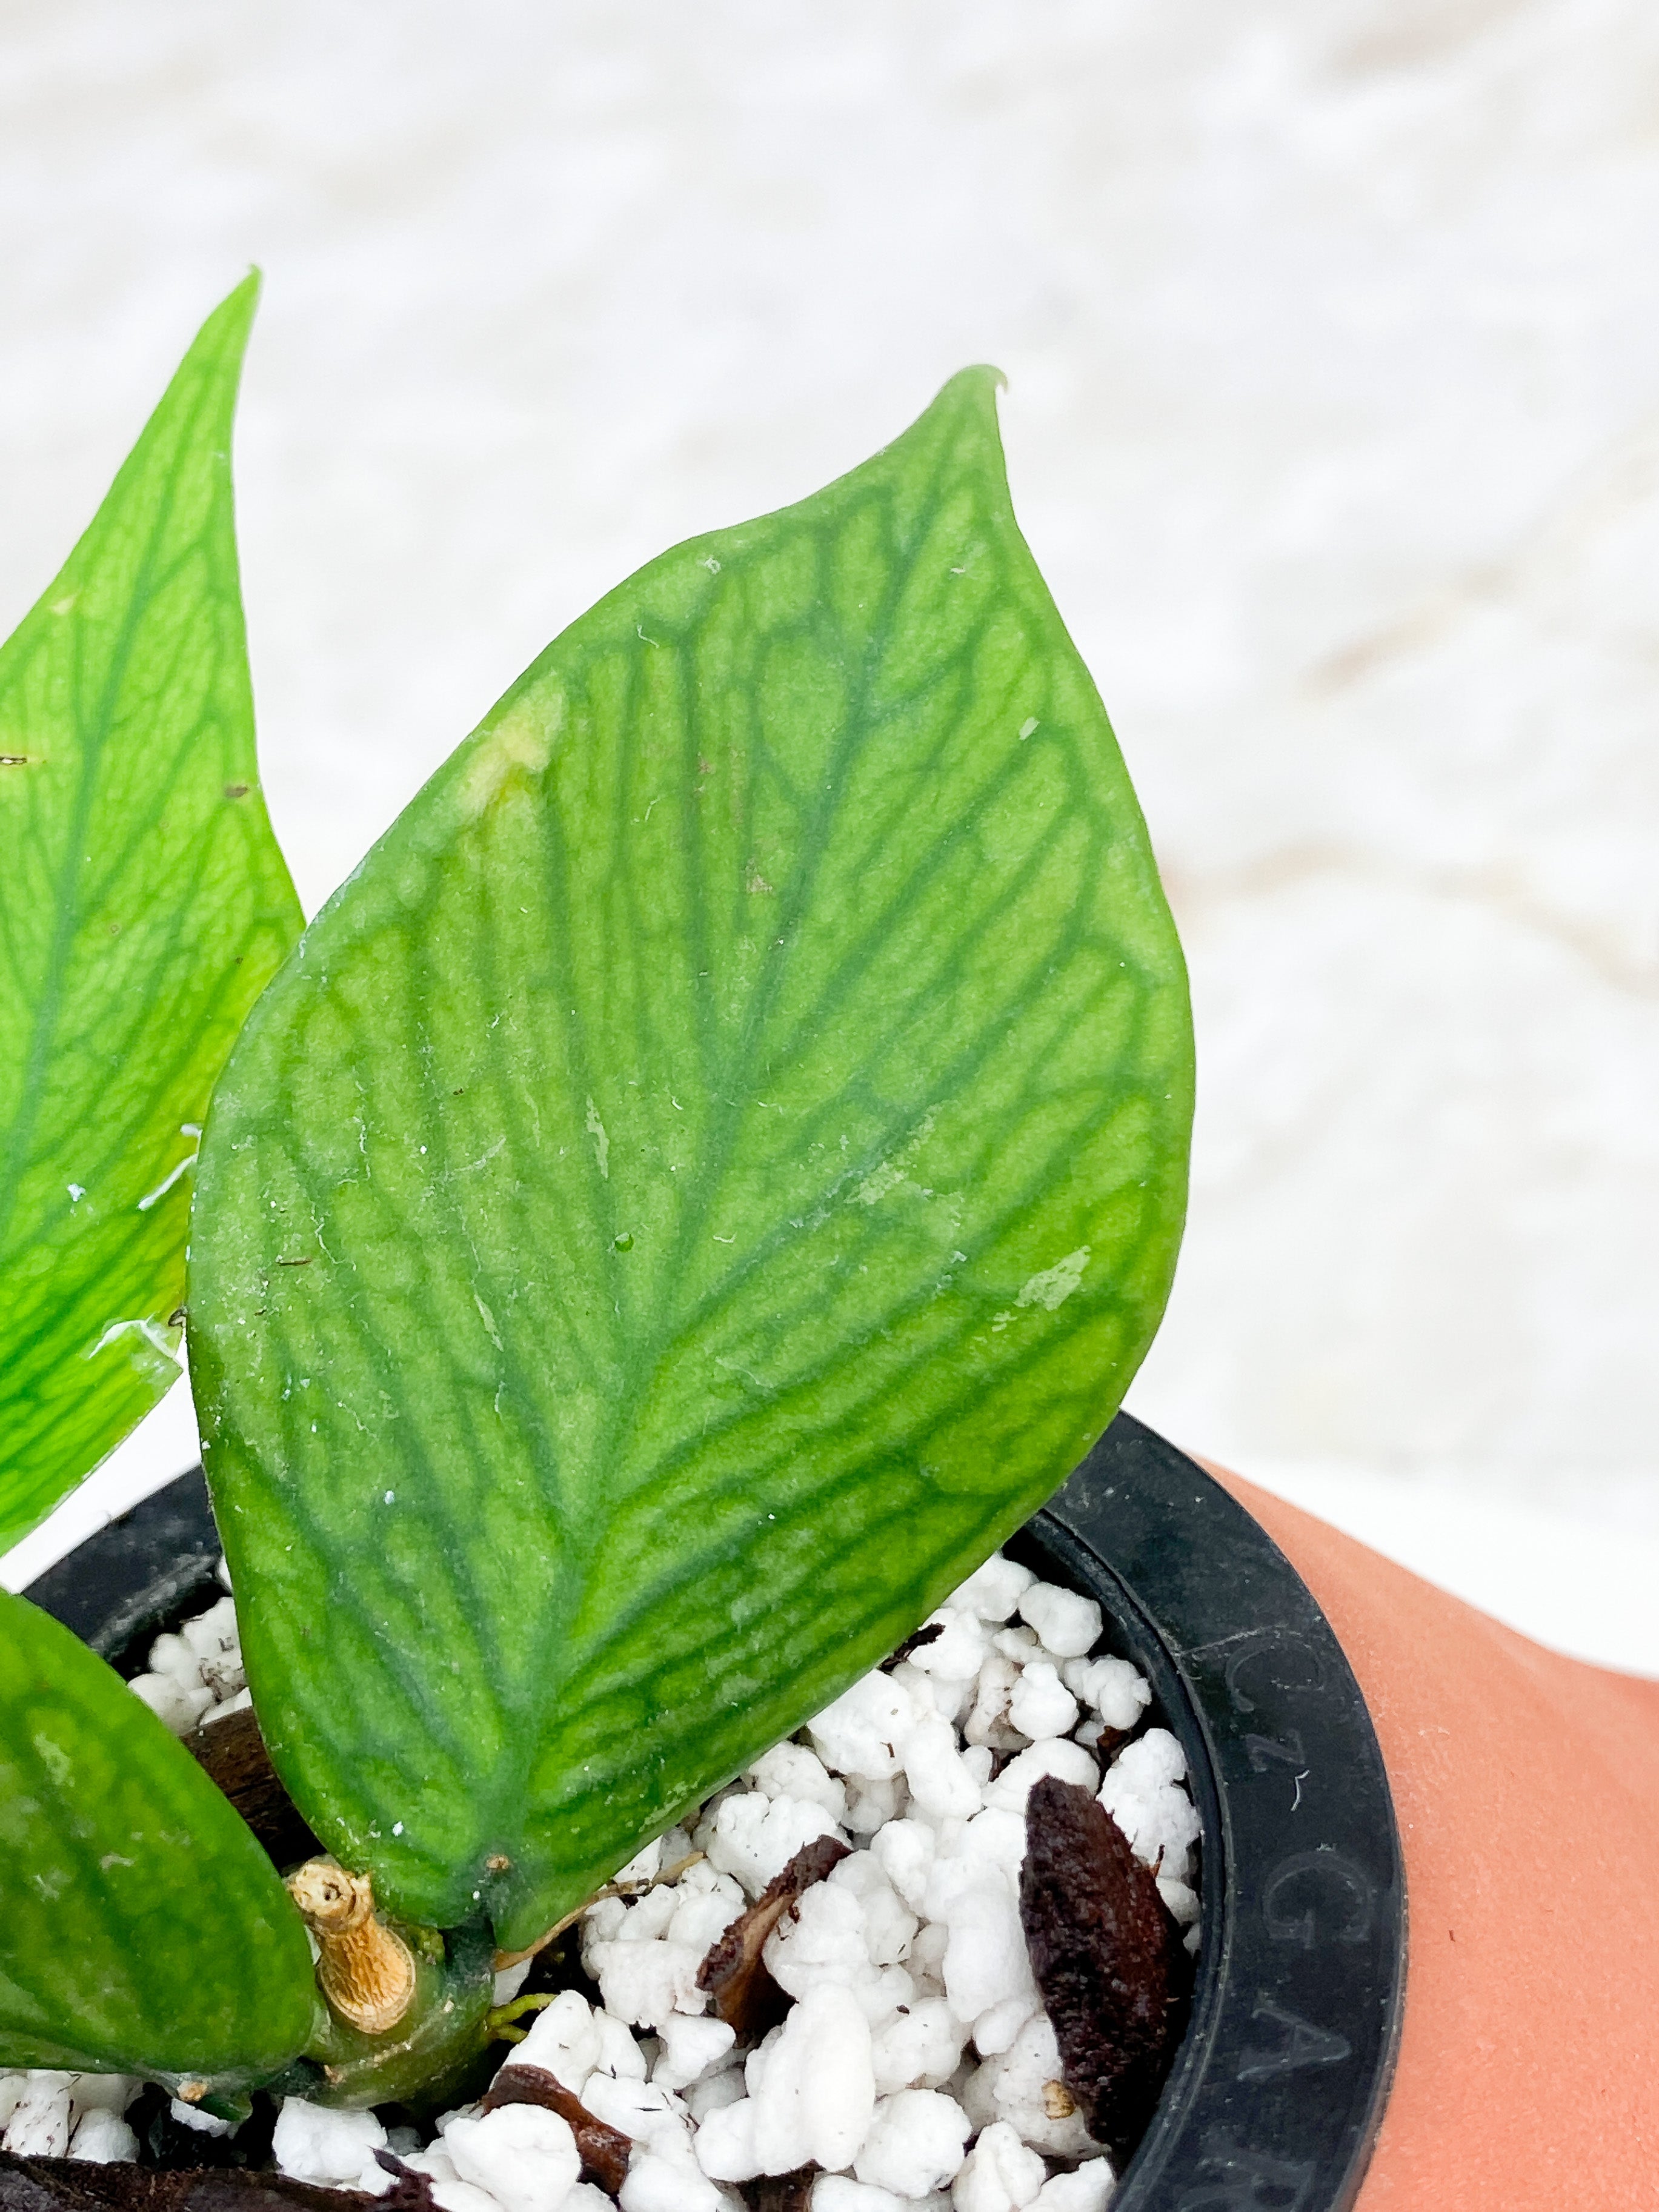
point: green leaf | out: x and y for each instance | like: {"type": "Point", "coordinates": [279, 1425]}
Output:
{"type": "Point", "coordinates": [144, 906]}
{"type": "Point", "coordinates": [701, 1183]}
{"type": "Point", "coordinates": [142, 1929]}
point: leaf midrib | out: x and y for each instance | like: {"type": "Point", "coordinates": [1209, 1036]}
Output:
{"type": "Point", "coordinates": [729, 1107]}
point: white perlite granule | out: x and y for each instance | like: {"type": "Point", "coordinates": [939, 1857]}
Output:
{"type": "Point", "coordinates": [195, 1676]}
{"type": "Point", "coordinates": [915, 2064]}
{"type": "Point", "coordinates": [46, 2115]}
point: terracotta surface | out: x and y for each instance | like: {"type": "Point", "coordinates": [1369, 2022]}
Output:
{"type": "Point", "coordinates": [1527, 1787]}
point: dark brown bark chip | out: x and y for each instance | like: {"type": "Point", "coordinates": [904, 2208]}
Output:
{"type": "Point", "coordinates": [75, 2184]}
{"type": "Point", "coordinates": [781, 2193]}
{"type": "Point", "coordinates": [232, 1752]}
{"type": "Point", "coordinates": [1108, 1744]}
{"type": "Point", "coordinates": [409, 2191]}
{"type": "Point", "coordinates": [929, 1632]}
{"type": "Point", "coordinates": [741, 1992]}
{"type": "Point", "coordinates": [1107, 1955]}
{"type": "Point", "coordinates": [233, 2189]}
{"type": "Point", "coordinates": [604, 2150]}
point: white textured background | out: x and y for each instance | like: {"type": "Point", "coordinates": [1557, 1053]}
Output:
{"type": "Point", "coordinates": [1332, 334]}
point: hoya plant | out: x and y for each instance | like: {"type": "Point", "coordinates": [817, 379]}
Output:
{"type": "Point", "coordinates": [697, 1188]}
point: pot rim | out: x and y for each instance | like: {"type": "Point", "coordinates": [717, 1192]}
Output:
{"type": "Point", "coordinates": [1281, 2077]}
{"type": "Point", "coordinates": [1277, 2091]}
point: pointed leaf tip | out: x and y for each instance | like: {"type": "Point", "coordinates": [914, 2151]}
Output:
{"type": "Point", "coordinates": [971, 393]}
{"type": "Point", "coordinates": [143, 905]}
{"type": "Point", "coordinates": [243, 297]}
{"type": "Point", "coordinates": [982, 376]}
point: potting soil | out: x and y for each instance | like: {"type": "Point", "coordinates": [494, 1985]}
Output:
{"type": "Point", "coordinates": [887, 2044]}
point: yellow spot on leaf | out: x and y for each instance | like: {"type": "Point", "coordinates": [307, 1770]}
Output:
{"type": "Point", "coordinates": [1052, 1286]}
{"type": "Point", "coordinates": [601, 1142]}
{"type": "Point", "coordinates": [54, 1758]}
{"type": "Point", "coordinates": [522, 740]}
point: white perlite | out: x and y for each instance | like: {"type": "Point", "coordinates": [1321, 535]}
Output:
{"type": "Point", "coordinates": [195, 1676]}
{"type": "Point", "coordinates": [336, 2149]}
{"type": "Point", "coordinates": [915, 2065]}
{"type": "Point", "coordinates": [48, 2115]}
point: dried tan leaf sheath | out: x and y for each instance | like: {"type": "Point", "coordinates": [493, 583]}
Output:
{"type": "Point", "coordinates": [365, 1972]}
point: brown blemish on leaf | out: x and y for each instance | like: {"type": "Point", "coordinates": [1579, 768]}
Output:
{"type": "Point", "coordinates": [237, 790]}
{"type": "Point", "coordinates": [1107, 1955]}
{"type": "Point", "coordinates": [604, 2150]}
{"type": "Point", "coordinates": [741, 1992]}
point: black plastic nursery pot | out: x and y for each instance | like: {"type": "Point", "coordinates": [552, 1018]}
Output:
{"type": "Point", "coordinates": [1276, 2093]}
